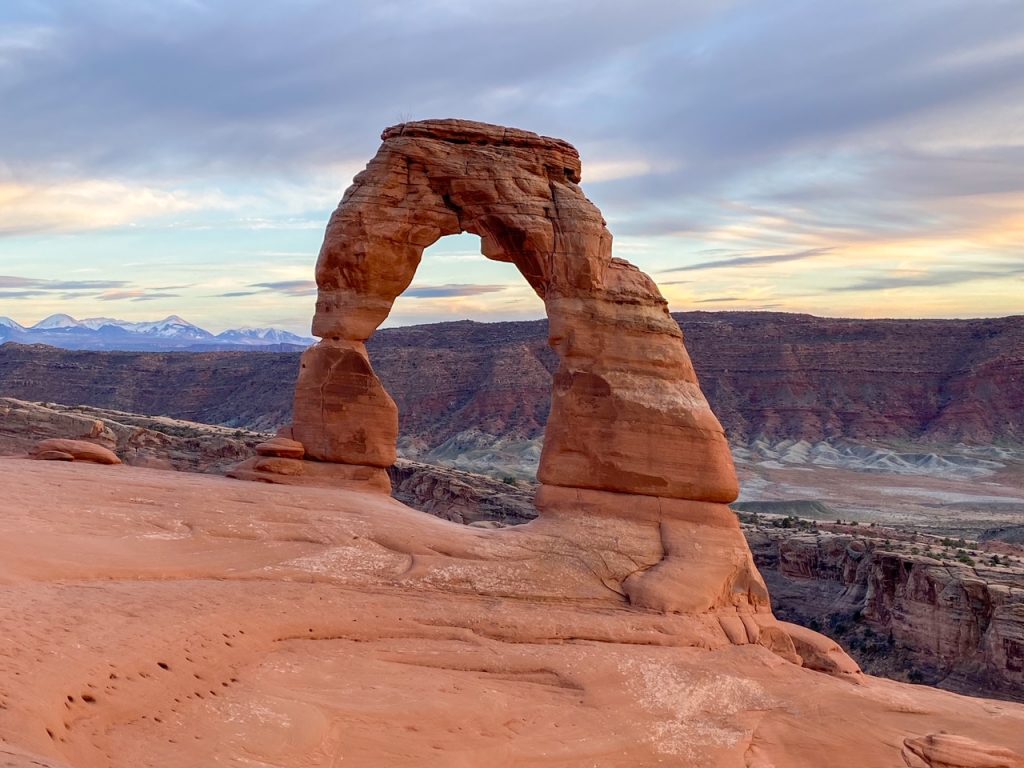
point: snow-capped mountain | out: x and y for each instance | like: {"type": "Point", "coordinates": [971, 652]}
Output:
{"type": "Point", "coordinates": [172, 327]}
{"type": "Point", "coordinates": [261, 337]}
{"type": "Point", "coordinates": [95, 323]}
{"type": "Point", "coordinates": [171, 333]}
{"type": "Point", "coordinates": [55, 321]}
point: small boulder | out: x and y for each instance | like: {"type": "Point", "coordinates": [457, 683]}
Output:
{"type": "Point", "coordinates": [282, 448]}
{"type": "Point", "coordinates": [820, 653]}
{"type": "Point", "coordinates": [56, 449]}
{"type": "Point", "coordinates": [945, 750]}
{"type": "Point", "coordinates": [53, 456]}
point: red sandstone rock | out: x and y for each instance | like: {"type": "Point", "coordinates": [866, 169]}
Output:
{"type": "Point", "coordinates": [79, 450]}
{"type": "Point", "coordinates": [944, 750]}
{"type": "Point", "coordinates": [53, 456]}
{"type": "Point", "coordinates": [271, 619]}
{"type": "Point", "coordinates": [627, 413]}
{"type": "Point", "coordinates": [342, 412]}
{"type": "Point", "coordinates": [819, 652]}
{"type": "Point", "coordinates": [282, 447]}
{"type": "Point", "coordinates": [283, 471]}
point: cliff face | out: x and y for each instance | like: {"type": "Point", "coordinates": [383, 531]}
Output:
{"type": "Point", "coordinates": [768, 375]}
{"type": "Point", "coordinates": [933, 619]}
{"type": "Point", "coordinates": [462, 497]}
{"type": "Point", "coordinates": [250, 389]}
{"type": "Point", "coordinates": [779, 376]}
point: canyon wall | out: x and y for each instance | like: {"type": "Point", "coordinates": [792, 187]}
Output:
{"type": "Point", "coordinates": [917, 611]}
{"type": "Point", "coordinates": [771, 375]}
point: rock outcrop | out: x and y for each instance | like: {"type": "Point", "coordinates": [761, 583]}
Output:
{"type": "Point", "coordinates": [943, 750]}
{"type": "Point", "coordinates": [462, 497]}
{"type": "Point", "coordinates": [57, 449]}
{"type": "Point", "coordinates": [138, 440]}
{"type": "Point", "coordinates": [282, 447]}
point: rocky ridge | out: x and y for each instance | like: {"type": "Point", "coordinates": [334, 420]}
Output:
{"type": "Point", "coordinates": [174, 444]}
{"type": "Point", "coordinates": [479, 393]}
{"type": "Point", "coordinates": [146, 441]}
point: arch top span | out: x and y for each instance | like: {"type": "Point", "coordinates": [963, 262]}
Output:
{"type": "Point", "coordinates": [627, 412]}
{"type": "Point", "coordinates": [561, 154]}
{"type": "Point", "coordinates": [516, 190]}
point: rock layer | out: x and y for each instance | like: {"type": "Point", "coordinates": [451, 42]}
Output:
{"type": "Point", "coordinates": [956, 625]}
{"type": "Point", "coordinates": [627, 412]}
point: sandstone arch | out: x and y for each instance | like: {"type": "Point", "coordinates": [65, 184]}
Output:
{"type": "Point", "coordinates": [627, 412]}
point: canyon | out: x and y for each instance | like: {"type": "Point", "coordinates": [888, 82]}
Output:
{"type": "Point", "coordinates": [925, 609]}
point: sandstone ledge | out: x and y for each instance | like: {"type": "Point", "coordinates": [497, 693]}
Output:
{"type": "Point", "coordinates": [155, 619]}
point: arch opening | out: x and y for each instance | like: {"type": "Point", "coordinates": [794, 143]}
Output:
{"type": "Point", "coordinates": [455, 282]}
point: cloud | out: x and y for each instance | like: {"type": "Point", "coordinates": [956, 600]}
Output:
{"type": "Point", "coordinates": [286, 287]}
{"type": "Point", "coordinates": [136, 294]}
{"type": "Point", "coordinates": [75, 290]}
{"type": "Point", "coordinates": [22, 294]}
{"type": "Point", "coordinates": [308, 288]}
{"type": "Point", "coordinates": [451, 290]}
{"type": "Point", "coordinates": [922, 279]}
{"type": "Point", "coordinates": [12, 281]}
{"type": "Point", "coordinates": [747, 261]}
{"type": "Point", "coordinates": [75, 205]}
{"type": "Point", "coordinates": [153, 296]}
{"type": "Point", "coordinates": [237, 92]}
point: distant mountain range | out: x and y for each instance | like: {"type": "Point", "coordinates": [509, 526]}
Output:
{"type": "Point", "coordinates": [171, 333]}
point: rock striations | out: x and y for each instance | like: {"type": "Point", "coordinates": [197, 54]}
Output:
{"type": "Point", "coordinates": [630, 435]}
{"type": "Point", "coordinates": [627, 413]}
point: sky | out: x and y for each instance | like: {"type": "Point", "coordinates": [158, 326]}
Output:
{"type": "Point", "coordinates": [857, 159]}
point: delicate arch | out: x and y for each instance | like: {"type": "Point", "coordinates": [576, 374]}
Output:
{"type": "Point", "coordinates": [627, 412]}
